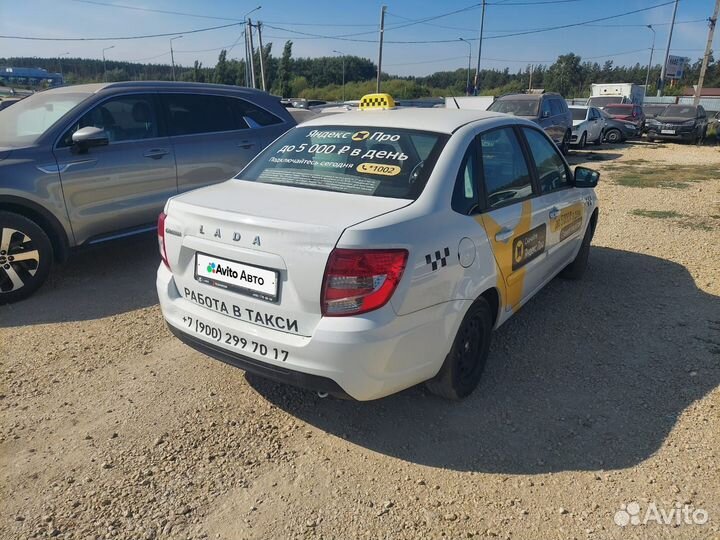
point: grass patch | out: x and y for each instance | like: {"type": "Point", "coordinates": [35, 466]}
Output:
{"type": "Point", "coordinates": [695, 223]}
{"type": "Point", "coordinates": [661, 176]}
{"type": "Point", "coordinates": [656, 214]}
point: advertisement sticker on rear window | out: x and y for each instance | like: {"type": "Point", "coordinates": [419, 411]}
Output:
{"type": "Point", "coordinates": [385, 162]}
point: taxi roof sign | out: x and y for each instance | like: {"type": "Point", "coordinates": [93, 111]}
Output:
{"type": "Point", "coordinates": [376, 101]}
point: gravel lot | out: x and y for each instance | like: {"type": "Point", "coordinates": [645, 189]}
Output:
{"type": "Point", "coordinates": [599, 393]}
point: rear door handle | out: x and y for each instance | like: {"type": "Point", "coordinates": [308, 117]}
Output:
{"type": "Point", "coordinates": [156, 153]}
{"type": "Point", "coordinates": [246, 144]}
{"type": "Point", "coordinates": [554, 213]}
{"type": "Point", "coordinates": [504, 235]}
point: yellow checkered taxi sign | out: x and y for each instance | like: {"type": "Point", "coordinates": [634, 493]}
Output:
{"type": "Point", "coordinates": [376, 101]}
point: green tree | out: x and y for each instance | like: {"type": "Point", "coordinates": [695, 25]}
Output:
{"type": "Point", "coordinates": [223, 74]}
{"type": "Point", "coordinates": [284, 70]}
{"type": "Point", "coordinates": [566, 75]}
{"type": "Point", "coordinates": [197, 73]}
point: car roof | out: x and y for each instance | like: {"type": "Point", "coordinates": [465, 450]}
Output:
{"type": "Point", "coordinates": [438, 120]}
{"type": "Point", "coordinates": [95, 88]}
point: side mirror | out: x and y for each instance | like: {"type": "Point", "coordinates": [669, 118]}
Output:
{"type": "Point", "coordinates": [89, 137]}
{"type": "Point", "coordinates": [546, 114]}
{"type": "Point", "coordinates": [586, 178]}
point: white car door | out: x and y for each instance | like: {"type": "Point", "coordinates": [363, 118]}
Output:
{"type": "Point", "coordinates": [562, 205]}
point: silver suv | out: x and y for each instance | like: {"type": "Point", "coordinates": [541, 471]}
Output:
{"type": "Point", "coordinates": [85, 164]}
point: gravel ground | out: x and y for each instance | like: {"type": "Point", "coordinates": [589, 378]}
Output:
{"type": "Point", "coordinates": [597, 394]}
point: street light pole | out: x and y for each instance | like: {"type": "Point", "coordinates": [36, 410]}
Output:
{"type": "Point", "coordinates": [652, 49]}
{"type": "Point", "coordinates": [172, 55]}
{"type": "Point", "coordinates": [105, 68]}
{"type": "Point", "coordinates": [343, 69]}
{"type": "Point", "coordinates": [467, 84]}
{"type": "Point", "coordinates": [382, 34]}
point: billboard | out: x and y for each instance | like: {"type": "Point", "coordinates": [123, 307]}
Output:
{"type": "Point", "coordinates": [676, 66]}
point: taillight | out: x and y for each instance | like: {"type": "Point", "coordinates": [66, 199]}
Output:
{"type": "Point", "coordinates": [161, 238]}
{"type": "Point", "coordinates": [360, 280]}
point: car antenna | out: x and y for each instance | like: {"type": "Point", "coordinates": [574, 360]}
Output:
{"type": "Point", "coordinates": [456, 103]}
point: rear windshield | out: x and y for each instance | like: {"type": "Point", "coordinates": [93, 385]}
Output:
{"type": "Point", "coordinates": [619, 109]}
{"type": "Point", "coordinates": [653, 110]}
{"type": "Point", "coordinates": [380, 162]}
{"type": "Point", "coordinates": [516, 107]}
{"type": "Point", "coordinates": [683, 111]}
{"type": "Point", "coordinates": [578, 114]}
{"type": "Point", "coordinates": [604, 100]}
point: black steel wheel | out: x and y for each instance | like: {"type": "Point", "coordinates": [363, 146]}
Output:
{"type": "Point", "coordinates": [464, 365]}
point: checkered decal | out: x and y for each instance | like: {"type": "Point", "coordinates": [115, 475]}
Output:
{"type": "Point", "coordinates": [376, 101]}
{"type": "Point", "coordinates": [437, 259]}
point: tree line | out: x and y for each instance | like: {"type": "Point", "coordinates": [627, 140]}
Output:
{"type": "Point", "coordinates": [322, 77]}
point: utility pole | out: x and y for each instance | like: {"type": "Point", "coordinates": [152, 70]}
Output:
{"type": "Point", "coordinates": [652, 49]}
{"type": "Point", "coordinates": [661, 83]}
{"type": "Point", "coordinates": [247, 60]}
{"type": "Point", "coordinates": [172, 56]}
{"type": "Point", "coordinates": [262, 64]}
{"type": "Point", "coordinates": [477, 71]}
{"type": "Point", "coordinates": [382, 32]}
{"type": "Point", "coordinates": [104, 68]}
{"type": "Point", "coordinates": [531, 74]}
{"type": "Point", "coordinates": [252, 53]}
{"type": "Point", "coordinates": [343, 70]}
{"type": "Point", "coordinates": [60, 62]}
{"type": "Point", "coordinates": [467, 84]}
{"type": "Point", "coordinates": [708, 50]}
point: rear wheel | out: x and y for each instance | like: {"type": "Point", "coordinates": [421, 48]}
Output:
{"type": "Point", "coordinates": [464, 364]}
{"type": "Point", "coordinates": [583, 141]}
{"type": "Point", "coordinates": [26, 255]}
{"type": "Point", "coordinates": [613, 136]}
{"type": "Point", "coordinates": [565, 144]}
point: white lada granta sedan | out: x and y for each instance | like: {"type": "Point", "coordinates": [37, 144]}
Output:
{"type": "Point", "coordinates": [363, 253]}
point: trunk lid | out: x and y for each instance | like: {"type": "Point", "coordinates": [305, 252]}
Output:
{"type": "Point", "coordinates": [281, 234]}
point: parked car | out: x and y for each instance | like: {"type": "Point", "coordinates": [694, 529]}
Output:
{"type": "Point", "coordinates": [5, 103]}
{"type": "Point", "coordinates": [652, 110]}
{"type": "Point", "coordinates": [587, 126]}
{"type": "Point", "coordinates": [548, 110]}
{"type": "Point", "coordinates": [364, 253]}
{"type": "Point", "coordinates": [616, 131]}
{"type": "Point", "coordinates": [687, 123]}
{"type": "Point", "coordinates": [627, 112]}
{"type": "Point", "coordinates": [85, 164]}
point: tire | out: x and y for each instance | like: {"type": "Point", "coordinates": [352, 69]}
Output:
{"type": "Point", "coordinates": [583, 141]}
{"type": "Point", "coordinates": [650, 139]}
{"type": "Point", "coordinates": [613, 136]}
{"type": "Point", "coordinates": [463, 367]}
{"type": "Point", "coordinates": [22, 238]}
{"type": "Point", "coordinates": [576, 269]}
{"type": "Point", "coordinates": [565, 144]}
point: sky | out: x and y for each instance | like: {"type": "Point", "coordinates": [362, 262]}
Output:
{"type": "Point", "coordinates": [352, 28]}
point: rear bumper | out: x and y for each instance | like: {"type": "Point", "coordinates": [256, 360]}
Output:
{"type": "Point", "coordinates": [278, 374]}
{"type": "Point", "coordinates": [365, 357]}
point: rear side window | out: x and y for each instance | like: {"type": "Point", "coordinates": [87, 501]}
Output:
{"type": "Point", "coordinates": [551, 169]}
{"type": "Point", "coordinates": [190, 114]}
{"type": "Point", "coordinates": [505, 172]}
{"type": "Point", "coordinates": [124, 118]}
{"type": "Point", "coordinates": [253, 115]}
{"type": "Point", "coordinates": [381, 162]}
{"type": "Point", "coordinates": [546, 109]}
{"type": "Point", "coordinates": [556, 107]}
{"type": "Point", "coordinates": [465, 195]}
